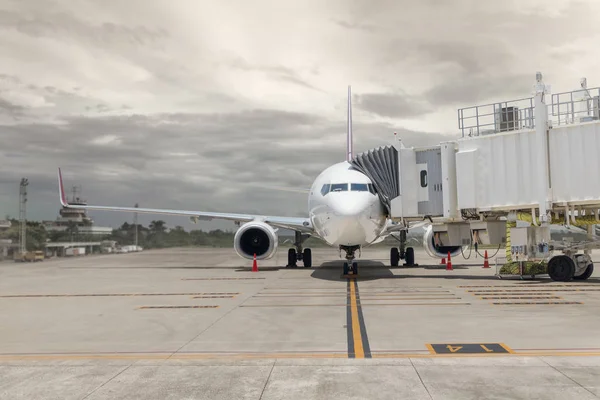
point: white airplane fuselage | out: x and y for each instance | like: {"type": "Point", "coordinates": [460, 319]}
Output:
{"type": "Point", "coordinates": [348, 212]}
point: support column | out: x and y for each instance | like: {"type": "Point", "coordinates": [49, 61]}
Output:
{"type": "Point", "coordinates": [541, 137]}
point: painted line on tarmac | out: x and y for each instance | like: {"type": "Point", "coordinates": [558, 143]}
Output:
{"type": "Point", "coordinates": [177, 307]}
{"type": "Point", "coordinates": [548, 286]}
{"type": "Point", "coordinates": [373, 294]}
{"type": "Point", "coordinates": [337, 288]}
{"type": "Point", "coordinates": [371, 297]}
{"type": "Point", "coordinates": [219, 279]}
{"type": "Point", "coordinates": [115, 295]}
{"type": "Point", "coordinates": [521, 298]}
{"type": "Point", "coordinates": [358, 341]}
{"type": "Point", "coordinates": [468, 348]}
{"type": "Point", "coordinates": [348, 306]}
{"type": "Point", "coordinates": [533, 291]}
{"type": "Point", "coordinates": [297, 355]}
{"type": "Point", "coordinates": [525, 303]}
{"type": "Point", "coordinates": [166, 356]}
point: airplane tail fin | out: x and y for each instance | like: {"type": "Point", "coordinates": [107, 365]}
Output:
{"type": "Point", "coordinates": [349, 144]}
{"type": "Point", "coordinates": [61, 190]}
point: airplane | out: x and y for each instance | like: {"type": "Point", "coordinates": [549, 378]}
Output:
{"type": "Point", "coordinates": [344, 211]}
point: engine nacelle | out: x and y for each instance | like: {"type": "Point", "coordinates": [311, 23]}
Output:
{"type": "Point", "coordinates": [438, 252]}
{"type": "Point", "coordinates": [255, 237]}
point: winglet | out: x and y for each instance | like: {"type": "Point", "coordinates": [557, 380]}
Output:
{"type": "Point", "coordinates": [349, 149]}
{"type": "Point", "coordinates": [61, 190]}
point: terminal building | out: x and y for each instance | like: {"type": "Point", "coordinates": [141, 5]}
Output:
{"type": "Point", "coordinates": [70, 217]}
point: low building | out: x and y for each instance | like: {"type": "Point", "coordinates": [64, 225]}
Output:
{"type": "Point", "coordinates": [5, 244]}
{"type": "Point", "coordinates": [72, 217]}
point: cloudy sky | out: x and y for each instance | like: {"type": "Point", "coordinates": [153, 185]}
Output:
{"type": "Point", "coordinates": [212, 105]}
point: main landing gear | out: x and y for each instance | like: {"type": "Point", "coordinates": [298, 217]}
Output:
{"type": "Point", "coordinates": [298, 253]}
{"type": "Point", "coordinates": [397, 254]}
{"type": "Point", "coordinates": [350, 265]}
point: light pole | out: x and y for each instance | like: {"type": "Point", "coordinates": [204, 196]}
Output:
{"type": "Point", "coordinates": [135, 222]}
{"type": "Point", "coordinates": [23, 214]}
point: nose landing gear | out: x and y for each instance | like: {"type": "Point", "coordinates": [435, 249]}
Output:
{"type": "Point", "coordinates": [350, 265]}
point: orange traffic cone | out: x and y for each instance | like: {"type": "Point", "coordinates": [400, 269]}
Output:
{"type": "Point", "coordinates": [443, 261]}
{"type": "Point", "coordinates": [486, 263]}
{"type": "Point", "coordinates": [449, 263]}
{"type": "Point", "coordinates": [254, 264]}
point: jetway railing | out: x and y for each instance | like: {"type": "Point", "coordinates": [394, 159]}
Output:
{"type": "Point", "coordinates": [571, 107]}
{"type": "Point", "coordinates": [575, 106]}
{"type": "Point", "coordinates": [496, 117]}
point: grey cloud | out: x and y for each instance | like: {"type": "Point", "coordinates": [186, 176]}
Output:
{"type": "Point", "coordinates": [473, 91]}
{"type": "Point", "coordinates": [355, 25]}
{"type": "Point", "coordinates": [395, 105]}
{"type": "Point", "coordinates": [9, 79]}
{"type": "Point", "coordinates": [11, 110]}
{"type": "Point", "coordinates": [278, 72]}
{"type": "Point", "coordinates": [102, 108]}
{"type": "Point", "coordinates": [66, 26]}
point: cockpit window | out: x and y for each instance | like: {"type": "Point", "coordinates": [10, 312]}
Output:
{"type": "Point", "coordinates": [339, 187]}
{"type": "Point", "coordinates": [343, 187]}
{"type": "Point", "coordinates": [359, 187]}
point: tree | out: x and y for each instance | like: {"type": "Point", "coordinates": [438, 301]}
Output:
{"type": "Point", "coordinates": [157, 226]}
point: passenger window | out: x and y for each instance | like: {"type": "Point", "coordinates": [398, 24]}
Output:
{"type": "Point", "coordinates": [339, 187]}
{"type": "Point", "coordinates": [325, 189]}
{"type": "Point", "coordinates": [359, 187]}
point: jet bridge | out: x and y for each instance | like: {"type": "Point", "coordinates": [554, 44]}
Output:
{"type": "Point", "coordinates": [409, 181]}
{"type": "Point", "coordinates": [535, 156]}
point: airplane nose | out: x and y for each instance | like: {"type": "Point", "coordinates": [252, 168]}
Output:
{"type": "Point", "coordinates": [351, 207]}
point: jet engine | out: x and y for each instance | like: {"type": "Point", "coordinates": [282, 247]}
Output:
{"type": "Point", "coordinates": [441, 251]}
{"type": "Point", "coordinates": [256, 237]}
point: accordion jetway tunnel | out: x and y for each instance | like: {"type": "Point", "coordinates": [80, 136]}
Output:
{"type": "Point", "coordinates": [518, 166]}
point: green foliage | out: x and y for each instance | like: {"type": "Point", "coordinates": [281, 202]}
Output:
{"type": "Point", "coordinates": [158, 235]}
{"type": "Point", "coordinates": [36, 234]}
{"type": "Point", "coordinates": [529, 268]}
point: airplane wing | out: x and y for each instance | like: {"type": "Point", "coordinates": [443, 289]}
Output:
{"type": "Point", "coordinates": [294, 223]}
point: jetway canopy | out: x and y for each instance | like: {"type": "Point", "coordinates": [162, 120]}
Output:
{"type": "Point", "coordinates": [381, 166]}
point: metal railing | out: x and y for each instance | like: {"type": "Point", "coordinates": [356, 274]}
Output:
{"type": "Point", "coordinates": [496, 117]}
{"type": "Point", "coordinates": [565, 108]}
{"type": "Point", "coordinates": [575, 106]}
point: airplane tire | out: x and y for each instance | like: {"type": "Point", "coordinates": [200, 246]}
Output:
{"type": "Point", "coordinates": [307, 258]}
{"type": "Point", "coordinates": [345, 271]}
{"type": "Point", "coordinates": [394, 257]}
{"type": "Point", "coordinates": [561, 268]}
{"type": "Point", "coordinates": [355, 268]}
{"type": "Point", "coordinates": [410, 256]}
{"type": "Point", "coordinates": [291, 258]}
{"type": "Point", "coordinates": [588, 272]}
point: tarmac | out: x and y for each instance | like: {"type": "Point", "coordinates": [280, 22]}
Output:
{"type": "Point", "coordinates": [199, 324]}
